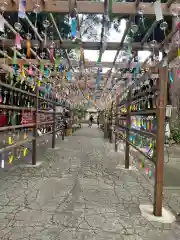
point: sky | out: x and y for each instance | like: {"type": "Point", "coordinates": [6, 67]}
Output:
{"type": "Point", "coordinates": [108, 56]}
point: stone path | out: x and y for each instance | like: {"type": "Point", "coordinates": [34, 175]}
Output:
{"type": "Point", "coordinates": [78, 193]}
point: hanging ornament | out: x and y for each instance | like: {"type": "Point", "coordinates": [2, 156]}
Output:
{"type": "Point", "coordinates": [42, 55]}
{"type": "Point", "coordinates": [175, 11]}
{"type": "Point", "coordinates": [163, 26]}
{"type": "Point", "coordinates": [46, 24]}
{"type": "Point", "coordinates": [153, 43]}
{"type": "Point", "coordinates": [141, 9]}
{"type": "Point", "coordinates": [22, 9]}
{"type": "Point", "coordinates": [28, 45]}
{"type": "Point", "coordinates": [134, 28]}
{"type": "Point", "coordinates": [18, 41]}
{"type": "Point", "coordinates": [37, 8]}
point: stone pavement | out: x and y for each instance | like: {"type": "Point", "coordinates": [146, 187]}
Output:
{"type": "Point", "coordinates": [78, 193]}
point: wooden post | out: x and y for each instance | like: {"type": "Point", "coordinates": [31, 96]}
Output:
{"type": "Point", "coordinates": [159, 171]}
{"type": "Point", "coordinates": [128, 122]}
{"type": "Point", "coordinates": [105, 126]}
{"type": "Point", "coordinates": [54, 126]}
{"type": "Point", "coordinates": [35, 119]}
{"type": "Point", "coordinates": [110, 124]}
{"type": "Point", "coordinates": [116, 123]}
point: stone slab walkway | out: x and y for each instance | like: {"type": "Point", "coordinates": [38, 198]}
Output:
{"type": "Point", "coordinates": [78, 193]}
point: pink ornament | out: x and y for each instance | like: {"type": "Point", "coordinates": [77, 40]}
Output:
{"type": "Point", "coordinates": [146, 170]}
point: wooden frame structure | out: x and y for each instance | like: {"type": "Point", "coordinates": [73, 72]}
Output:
{"type": "Point", "coordinates": [128, 10]}
{"type": "Point", "coordinates": [126, 127]}
{"type": "Point", "coordinates": [86, 7]}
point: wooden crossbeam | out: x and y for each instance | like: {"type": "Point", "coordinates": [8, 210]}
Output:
{"type": "Point", "coordinates": [68, 44]}
{"type": "Point", "coordinates": [74, 63]}
{"type": "Point", "coordinates": [87, 7]}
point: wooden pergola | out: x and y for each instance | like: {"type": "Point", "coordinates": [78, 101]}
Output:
{"type": "Point", "coordinates": [129, 10]}
{"type": "Point", "coordinates": [124, 9]}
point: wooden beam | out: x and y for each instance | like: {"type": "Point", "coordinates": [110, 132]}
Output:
{"type": "Point", "coordinates": [89, 64]}
{"type": "Point", "coordinates": [68, 44]}
{"type": "Point", "coordinates": [87, 7]}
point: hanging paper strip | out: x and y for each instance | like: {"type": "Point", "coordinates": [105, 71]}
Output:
{"type": "Point", "coordinates": [23, 73]}
{"type": "Point", "coordinates": [42, 67]}
{"type": "Point", "coordinates": [61, 68]}
{"type": "Point", "coordinates": [51, 54]}
{"type": "Point", "coordinates": [178, 26]}
{"type": "Point", "coordinates": [137, 71]}
{"type": "Point", "coordinates": [2, 22]}
{"type": "Point", "coordinates": [81, 54]}
{"type": "Point", "coordinates": [69, 76]}
{"type": "Point", "coordinates": [28, 48]}
{"type": "Point", "coordinates": [18, 41]}
{"type": "Point", "coordinates": [98, 80]}
{"type": "Point", "coordinates": [46, 73]}
{"type": "Point", "coordinates": [158, 11]}
{"type": "Point", "coordinates": [99, 59]}
{"type": "Point", "coordinates": [57, 62]}
{"type": "Point", "coordinates": [170, 76]}
{"type": "Point", "coordinates": [178, 73]}
{"type": "Point", "coordinates": [14, 57]}
{"type": "Point", "coordinates": [30, 71]}
{"type": "Point", "coordinates": [15, 68]}
{"type": "Point", "coordinates": [73, 27]}
{"type": "Point", "coordinates": [179, 53]}
{"type": "Point", "coordinates": [129, 50]}
{"type": "Point", "coordinates": [22, 9]}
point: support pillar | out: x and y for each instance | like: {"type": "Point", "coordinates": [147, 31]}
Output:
{"type": "Point", "coordinates": [161, 111]}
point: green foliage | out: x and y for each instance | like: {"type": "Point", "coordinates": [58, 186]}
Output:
{"type": "Point", "coordinates": [79, 111]}
{"type": "Point", "coordinates": [175, 134]}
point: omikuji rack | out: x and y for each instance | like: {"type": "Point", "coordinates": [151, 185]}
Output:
{"type": "Point", "coordinates": [29, 118]}
{"type": "Point", "coordinates": [127, 108]}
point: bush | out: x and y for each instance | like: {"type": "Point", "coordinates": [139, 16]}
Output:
{"type": "Point", "coordinates": [175, 134]}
